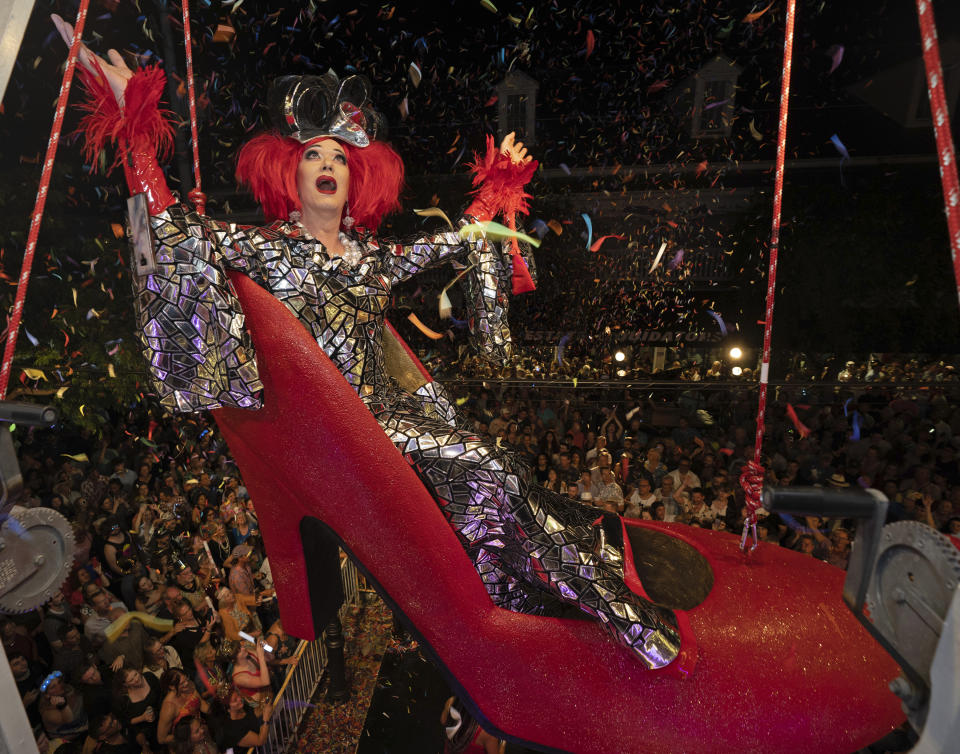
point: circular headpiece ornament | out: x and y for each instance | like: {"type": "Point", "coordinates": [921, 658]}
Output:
{"type": "Point", "coordinates": [310, 107]}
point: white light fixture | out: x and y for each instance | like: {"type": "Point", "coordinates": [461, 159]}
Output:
{"type": "Point", "coordinates": [735, 352]}
{"type": "Point", "coordinates": [619, 356]}
{"type": "Point", "coordinates": [621, 373]}
{"type": "Point", "coordinates": [736, 371]}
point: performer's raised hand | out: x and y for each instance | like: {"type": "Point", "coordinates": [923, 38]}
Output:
{"type": "Point", "coordinates": [116, 70]}
{"type": "Point", "coordinates": [514, 149]}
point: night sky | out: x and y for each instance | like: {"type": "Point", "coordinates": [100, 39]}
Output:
{"type": "Point", "coordinates": [870, 267]}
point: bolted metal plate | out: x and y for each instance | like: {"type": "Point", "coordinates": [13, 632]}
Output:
{"type": "Point", "coordinates": [36, 553]}
{"type": "Point", "coordinates": [917, 572]}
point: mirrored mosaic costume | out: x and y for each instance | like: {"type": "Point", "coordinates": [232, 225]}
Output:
{"type": "Point", "coordinates": [536, 551]}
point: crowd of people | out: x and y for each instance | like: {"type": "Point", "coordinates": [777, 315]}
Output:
{"type": "Point", "coordinates": [165, 636]}
{"type": "Point", "coordinates": [593, 361]}
{"type": "Point", "coordinates": [164, 530]}
{"type": "Point", "coordinates": [644, 459]}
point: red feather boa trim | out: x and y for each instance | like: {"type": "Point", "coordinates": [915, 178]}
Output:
{"type": "Point", "coordinates": [500, 182]}
{"type": "Point", "coordinates": [139, 126]}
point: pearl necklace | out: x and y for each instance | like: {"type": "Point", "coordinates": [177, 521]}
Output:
{"type": "Point", "coordinates": [352, 252]}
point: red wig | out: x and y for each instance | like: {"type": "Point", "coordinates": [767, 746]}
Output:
{"type": "Point", "coordinates": [267, 167]}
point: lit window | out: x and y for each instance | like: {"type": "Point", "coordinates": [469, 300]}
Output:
{"type": "Point", "coordinates": [517, 115]}
{"type": "Point", "coordinates": [517, 106]}
{"type": "Point", "coordinates": [714, 98]}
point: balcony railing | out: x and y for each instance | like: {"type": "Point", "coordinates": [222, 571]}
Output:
{"type": "Point", "coordinates": [303, 676]}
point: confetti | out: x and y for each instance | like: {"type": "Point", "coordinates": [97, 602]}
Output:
{"type": "Point", "coordinates": [560, 346]}
{"type": "Point", "coordinates": [224, 33]}
{"type": "Point", "coordinates": [540, 228]}
{"type": "Point", "coordinates": [751, 17]}
{"type": "Point", "coordinates": [841, 148]}
{"type": "Point", "coordinates": [446, 308]}
{"type": "Point", "coordinates": [656, 261]}
{"type": "Point", "coordinates": [591, 43]}
{"type": "Point", "coordinates": [496, 232]}
{"type": "Point", "coordinates": [713, 105]}
{"type": "Point", "coordinates": [844, 155]}
{"type": "Point", "coordinates": [801, 428]}
{"type": "Point", "coordinates": [432, 334]}
{"type": "Point", "coordinates": [435, 212]}
{"type": "Point", "coordinates": [836, 57]}
{"type": "Point", "coordinates": [599, 242]}
{"type": "Point", "coordinates": [415, 75]}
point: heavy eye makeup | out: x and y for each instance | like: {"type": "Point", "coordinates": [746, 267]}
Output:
{"type": "Point", "coordinates": [315, 154]}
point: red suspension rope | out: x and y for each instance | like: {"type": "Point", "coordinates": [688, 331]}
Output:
{"type": "Point", "coordinates": [196, 195]}
{"type": "Point", "coordinates": [38, 207]}
{"type": "Point", "coordinates": [941, 126]}
{"type": "Point", "coordinates": [752, 477]}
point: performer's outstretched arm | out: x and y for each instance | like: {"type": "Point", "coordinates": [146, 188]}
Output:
{"type": "Point", "coordinates": [122, 109]}
{"type": "Point", "coordinates": [500, 177]}
{"type": "Point", "coordinates": [191, 325]}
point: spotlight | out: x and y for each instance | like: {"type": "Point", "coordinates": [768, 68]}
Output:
{"type": "Point", "coordinates": [735, 352]}
{"type": "Point", "coordinates": [619, 356]}
{"type": "Point", "coordinates": [621, 373]}
{"type": "Point", "coordinates": [736, 371]}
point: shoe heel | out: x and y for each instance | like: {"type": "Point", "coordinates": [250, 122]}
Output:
{"type": "Point", "coordinates": [297, 570]}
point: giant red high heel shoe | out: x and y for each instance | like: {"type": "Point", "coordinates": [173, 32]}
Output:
{"type": "Point", "coordinates": [781, 665]}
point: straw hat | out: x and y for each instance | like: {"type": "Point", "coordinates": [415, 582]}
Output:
{"type": "Point", "coordinates": [838, 480]}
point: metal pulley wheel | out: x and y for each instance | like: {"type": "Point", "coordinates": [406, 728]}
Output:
{"type": "Point", "coordinates": [917, 572]}
{"type": "Point", "coordinates": [36, 555]}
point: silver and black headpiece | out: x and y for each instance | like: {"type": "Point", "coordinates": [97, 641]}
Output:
{"type": "Point", "coordinates": [308, 107]}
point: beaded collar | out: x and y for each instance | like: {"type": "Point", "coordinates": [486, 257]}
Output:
{"type": "Point", "coordinates": [352, 251]}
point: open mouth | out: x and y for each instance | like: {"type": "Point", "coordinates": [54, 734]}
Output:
{"type": "Point", "coordinates": [326, 185]}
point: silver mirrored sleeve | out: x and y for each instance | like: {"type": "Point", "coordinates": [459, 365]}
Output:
{"type": "Point", "coordinates": [486, 285]}
{"type": "Point", "coordinates": [487, 296]}
{"type": "Point", "coordinates": [191, 325]}
{"type": "Point", "coordinates": [405, 260]}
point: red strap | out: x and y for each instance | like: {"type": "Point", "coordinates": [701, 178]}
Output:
{"type": "Point", "coordinates": [196, 194]}
{"type": "Point", "coordinates": [941, 126]}
{"type": "Point", "coordinates": [752, 490]}
{"type": "Point", "coordinates": [41, 201]}
{"type": "Point", "coordinates": [520, 278]}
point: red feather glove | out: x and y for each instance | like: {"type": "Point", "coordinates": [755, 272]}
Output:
{"type": "Point", "coordinates": [500, 183]}
{"type": "Point", "coordinates": [140, 130]}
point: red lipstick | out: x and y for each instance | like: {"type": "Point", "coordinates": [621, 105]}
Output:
{"type": "Point", "coordinates": [326, 184]}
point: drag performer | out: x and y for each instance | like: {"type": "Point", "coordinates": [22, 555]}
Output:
{"type": "Point", "coordinates": [327, 181]}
